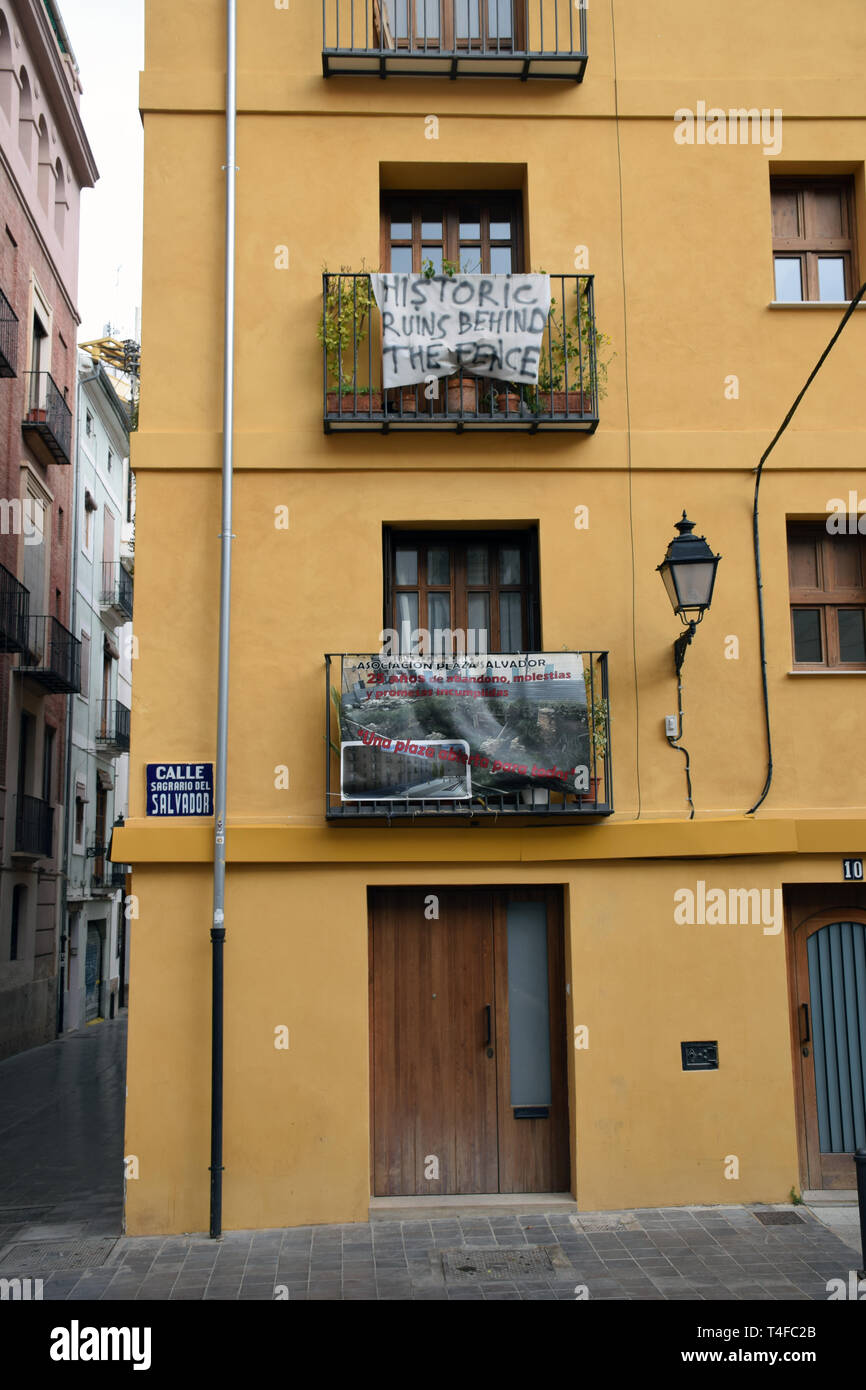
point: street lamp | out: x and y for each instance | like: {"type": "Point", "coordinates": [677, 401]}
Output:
{"type": "Point", "coordinates": [689, 574]}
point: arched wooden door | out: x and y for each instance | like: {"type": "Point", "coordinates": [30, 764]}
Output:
{"type": "Point", "coordinates": [829, 982]}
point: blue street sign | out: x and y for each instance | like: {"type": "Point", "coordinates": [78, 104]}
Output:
{"type": "Point", "coordinates": [180, 789]}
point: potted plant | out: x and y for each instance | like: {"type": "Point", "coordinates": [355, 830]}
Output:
{"type": "Point", "coordinates": [597, 718]}
{"type": "Point", "coordinates": [461, 389]}
{"type": "Point", "coordinates": [573, 367]}
{"type": "Point", "coordinates": [343, 327]}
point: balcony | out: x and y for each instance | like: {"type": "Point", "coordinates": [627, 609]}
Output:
{"type": "Point", "coordinates": [513, 737]}
{"type": "Point", "coordinates": [34, 828]}
{"type": "Point", "coordinates": [106, 877]}
{"type": "Point", "coordinates": [115, 595]}
{"type": "Point", "coordinates": [47, 426]}
{"type": "Point", "coordinates": [112, 732]}
{"type": "Point", "coordinates": [454, 38]}
{"type": "Point", "coordinates": [14, 613]}
{"type": "Point", "coordinates": [565, 398]}
{"type": "Point", "coordinates": [8, 338]}
{"type": "Point", "coordinates": [53, 656]}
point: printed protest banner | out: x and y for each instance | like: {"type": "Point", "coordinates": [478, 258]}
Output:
{"type": "Point", "coordinates": [452, 728]}
{"type": "Point", "coordinates": [491, 325]}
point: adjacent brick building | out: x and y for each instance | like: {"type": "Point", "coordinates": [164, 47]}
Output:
{"type": "Point", "coordinates": [45, 161]}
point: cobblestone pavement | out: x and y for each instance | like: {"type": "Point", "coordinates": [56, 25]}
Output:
{"type": "Point", "coordinates": [61, 1121]}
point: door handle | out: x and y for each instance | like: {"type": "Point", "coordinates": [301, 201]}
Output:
{"type": "Point", "coordinates": [488, 1011]}
{"type": "Point", "coordinates": [805, 1033]}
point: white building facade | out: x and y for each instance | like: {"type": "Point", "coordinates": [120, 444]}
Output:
{"type": "Point", "coordinates": [96, 926]}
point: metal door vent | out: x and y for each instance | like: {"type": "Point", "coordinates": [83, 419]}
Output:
{"type": "Point", "coordinates": [463, 1266]}
{"type": "Point", "coordinates": [29, 1255]}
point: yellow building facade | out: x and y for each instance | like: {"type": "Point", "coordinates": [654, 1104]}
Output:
{"type": "Point", "coordinates": [722, 252]}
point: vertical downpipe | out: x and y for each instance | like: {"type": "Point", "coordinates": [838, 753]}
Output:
{"type": "Point", "coordinates": [218, 931]}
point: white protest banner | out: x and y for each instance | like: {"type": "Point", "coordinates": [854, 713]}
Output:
{"type": "Point", "coordinates": [491, 325]}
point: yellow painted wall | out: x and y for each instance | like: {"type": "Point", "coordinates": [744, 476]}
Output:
{"type": "Point", "coordinates": [297, 1135]}
{"type": "Point", "coordinates": [680, 245]}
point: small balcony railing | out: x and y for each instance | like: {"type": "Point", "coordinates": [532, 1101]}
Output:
{"type": "Point", "coordinates": [112, 728]}
{"type": "Point", "coordinates": [449, 739]}
{"type": "Point", "coordinates": [566, 396]}
{"type": "Point", "coordinates": [34, 827]}
{"type": "Point", "coordinates": [104, 875]}
{"type": "Point", "coordinates": [8, 338]}
{"type": "Point", "coordinates": [14, 613]}
{"type": "Point", "coordinates": [115, 594]}
{"type": "Point", "coordinates": [53, 656]}
{"type": "Point", "coordinates": [454, 38]}
{"type": "Point", "coordinates": [47, 426]}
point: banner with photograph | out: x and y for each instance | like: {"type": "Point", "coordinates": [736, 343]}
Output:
{"type": "Point", "coordinates": [452, 728]}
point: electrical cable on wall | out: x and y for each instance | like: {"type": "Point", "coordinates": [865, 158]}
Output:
{"type": "Point", "coordinates": [756, 540]}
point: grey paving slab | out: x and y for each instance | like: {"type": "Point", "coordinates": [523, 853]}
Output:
{"type": "Point", "coordinates": [61, 1178]}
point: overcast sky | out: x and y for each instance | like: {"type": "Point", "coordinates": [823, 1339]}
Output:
{"type": "Point", "coordinates": [107, 37]}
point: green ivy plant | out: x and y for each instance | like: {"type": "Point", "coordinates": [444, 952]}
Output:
{"type": "Point", "coordinates": [577, 344]}
{"type": "Point", "coordinates": [343, 323]}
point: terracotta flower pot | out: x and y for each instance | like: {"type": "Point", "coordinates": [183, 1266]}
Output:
{"type": "Point", "coordinates": [361, 404]}
{"type": "Point", "coordinates": [405, 400]}
{"type": "Point", "coordinates": [461, 396]}
{"type": "Point", "coordinates": [567, 402]}
{"type": "Point", "coordinates": [508, 402]}
{"type": "Point", "coordinates": [37, 414]}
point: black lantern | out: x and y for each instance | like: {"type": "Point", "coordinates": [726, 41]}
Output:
{"type": "Point", "coordinates": [689, 574]}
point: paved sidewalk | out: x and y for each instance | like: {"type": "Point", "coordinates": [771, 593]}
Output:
{"type": "Point", "coordinates": [703, 1253]}
{"type": "Point", "coordinates": [61, 1182]}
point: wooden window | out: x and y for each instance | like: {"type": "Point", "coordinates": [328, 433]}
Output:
{"type": "Point", "coordinates": [475, 591]}
{"type": "Point", "coordinates": [827, 576]}
{"type": "Point", "coordinates": [813, 239]}
{"type": "Point", "coordinates": [427, 25]}
{"type": "Point", "coordinates": [481, 234]}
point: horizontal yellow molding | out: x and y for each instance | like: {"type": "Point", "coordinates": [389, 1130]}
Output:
{"type": "Point", "coordinates": [308, 450]}
{"type": "Point", "coordinates": [141, 841]}
{"type": "Point", "coordinates": [305, 92]}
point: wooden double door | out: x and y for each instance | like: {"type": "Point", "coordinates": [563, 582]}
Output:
{"type": "Point", "coordinates": [828, 983]}
{"type": "Point", "coordinates": [468, 1041]}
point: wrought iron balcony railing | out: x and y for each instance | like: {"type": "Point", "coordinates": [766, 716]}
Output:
{"type": "Point", "coordinates": [415, 738]}
{"type": "Point", "coordinates": [8, 338]}
{"type": "Point", "coordinates": [34, 827]}
{"type": "Point", "coordinates": [104, 875]}
{"type": "Point", "coordinates": [566, 396]}
{"type": "Point", "coordinates": [14, 613]}
{"type": "Point", "coordinates": [47, 426]}
{"type": "Point", "coordinates": [53, 656]}
{"type": "Point", "coordinates": [112, 730]}
{"type": "Point", "coordinates": [115, 595]}
{"type": "Point", "coordinates": [454, 38]}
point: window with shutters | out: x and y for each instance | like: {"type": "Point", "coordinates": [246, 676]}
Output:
{"type": "Point", "coordinates": [462, 591]}
{"type": "Point", "coordinates": [827, 577]}
{"type": "Point", "coordinates": [814, 247]}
